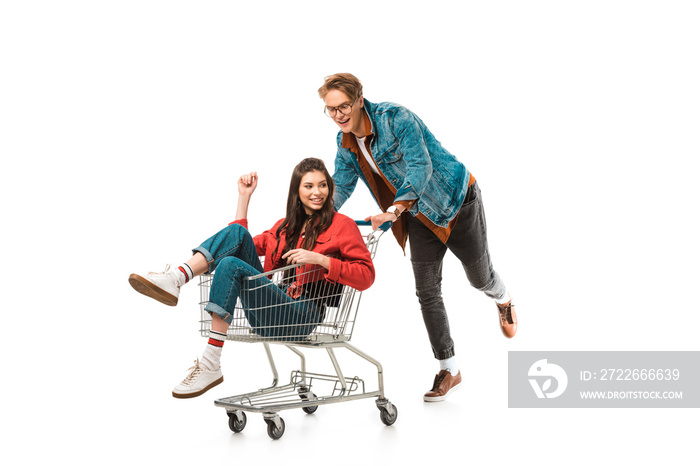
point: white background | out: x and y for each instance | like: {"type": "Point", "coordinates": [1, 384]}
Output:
{"type": "Point", "coordinates": [123, 126]}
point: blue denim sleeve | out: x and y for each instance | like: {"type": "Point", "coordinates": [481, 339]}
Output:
{"type": "Point", "coordinates": [419, 167]}
{"type": "Point", "coordinates": [345, 178]}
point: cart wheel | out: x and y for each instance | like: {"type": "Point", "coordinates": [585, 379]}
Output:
{"type": "Point", "coordinates": [389, 414]}
{"type": "Point", "coordinates": [237, 421]}
{"type": "Point", "coordinates": [272, 429]}
{"type": "Point", "coordinates": [309, 409]}
{"type": "Point", "coordinates": [308, 396]}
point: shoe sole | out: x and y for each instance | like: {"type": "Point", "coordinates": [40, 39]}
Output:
{"type": "Point", "coordinates": [194, 394]}
{"type": "Point", "coordinates": [431, 399]}
{"type": "Point", "coordinates": [147, 288]}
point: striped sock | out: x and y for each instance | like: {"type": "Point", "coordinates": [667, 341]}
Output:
{"type": "Point", "coordinates": [184, 274]}
{"type": "Point", "coordinates": [212, 354]}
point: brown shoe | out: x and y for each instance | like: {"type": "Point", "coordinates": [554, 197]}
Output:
{"type": "Point", "coordinates": [508, 318]}
{"type": "Point", "coordinates": [445, 383]}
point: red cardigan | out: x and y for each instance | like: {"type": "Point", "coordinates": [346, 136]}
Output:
{"type": "Point", "coordinates": [350, 261]}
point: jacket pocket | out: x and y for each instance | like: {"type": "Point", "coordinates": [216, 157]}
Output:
{"type": "Point", "coordinates": [390, 154]}
{"type": "Point", "coordinates": [324, 237]}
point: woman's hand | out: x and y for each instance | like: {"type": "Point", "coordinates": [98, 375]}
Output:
{"type": "Point", "coordinates": [247, 184]}
{"type": "Point", "coordinates": [296, 256]}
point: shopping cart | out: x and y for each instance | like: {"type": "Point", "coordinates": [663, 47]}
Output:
{"type": "Point", "coordinates": [322, 316]}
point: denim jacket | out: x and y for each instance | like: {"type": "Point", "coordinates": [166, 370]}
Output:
{"type": "Point", "coordinates": [411, 159]}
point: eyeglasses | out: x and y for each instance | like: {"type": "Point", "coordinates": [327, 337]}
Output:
{"type": "Point", "coordinates": [343, 109]}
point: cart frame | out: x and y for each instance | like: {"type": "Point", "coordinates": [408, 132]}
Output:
{"type": "Point", "coordinates": [334, 332]}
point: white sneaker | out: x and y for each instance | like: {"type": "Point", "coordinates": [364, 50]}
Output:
{"type": "Point", "coordinates": [198, 381]}
{"type": "Point", "coordinates": [160, 286]}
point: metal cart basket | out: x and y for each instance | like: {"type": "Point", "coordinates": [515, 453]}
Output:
{"type": "Point", "coordinates": [321, 315]}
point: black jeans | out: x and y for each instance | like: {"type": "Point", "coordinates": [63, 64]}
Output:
{"type": "Point", "coordinates": [468, 243]}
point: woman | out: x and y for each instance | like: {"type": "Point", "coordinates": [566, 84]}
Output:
{"type": "Point", "coordinates": [310, 233]}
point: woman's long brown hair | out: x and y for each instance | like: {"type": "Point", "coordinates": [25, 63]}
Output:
{"type": "Point", "coordinates": [296, 216]}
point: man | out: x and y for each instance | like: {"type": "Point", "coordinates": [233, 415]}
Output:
{"type": "Point", "coordinates": [429, 196]}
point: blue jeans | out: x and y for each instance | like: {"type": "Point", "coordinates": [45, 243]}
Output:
{"type": "Point", "coordinates": [270, 311]}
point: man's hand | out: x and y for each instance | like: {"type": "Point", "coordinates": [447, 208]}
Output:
{"type": "Point", "coordinates": [381, 219]}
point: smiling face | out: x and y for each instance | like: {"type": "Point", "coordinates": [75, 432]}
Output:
{"type": "Point", "coordinates": [313, 191]}
{"type": "Point", "coordinates": [353, 122]}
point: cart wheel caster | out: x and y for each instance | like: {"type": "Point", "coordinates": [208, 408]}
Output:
{"type": "Point", "coordinates": [388, 413]}
{"type": "Point", "coordinates": [273, 431]}
{"type": "Point", "coordinates": [237, 421]}
{"type": "Point", "coordinates": [309, 409]}
{"type": "Point", "coordinates": [308, 396]}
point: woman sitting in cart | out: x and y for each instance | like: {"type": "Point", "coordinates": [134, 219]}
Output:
{"type": "Point", "coordinates": [311, 233]}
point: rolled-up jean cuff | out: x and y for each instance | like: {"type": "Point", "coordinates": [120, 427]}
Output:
{"type": "Point", "coordinates": [445, 354]}
{"type": "Point", "coordinates": [207, 255]}
{"type": "Point", "coordinates": [213, 308]}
